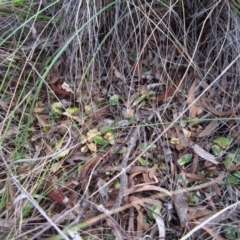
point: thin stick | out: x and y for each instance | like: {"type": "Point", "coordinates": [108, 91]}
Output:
{"type": "Point", "coordinates": [132, 140]}
{"type": "Point", "coordinates": [208, 220]}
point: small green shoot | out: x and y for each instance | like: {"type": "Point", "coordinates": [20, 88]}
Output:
{"type": "Point", "coordinates": [72, 110]}
{"type": "Point", "coordinates": [117, 184]}
{"type": "Point", "coordinates": [223, 142]}
{"type": "Point", "coordinates": [99, 140]}
{"type": "Point", "coordinates": [154, 211]}
{"type": "Point", "coordinates": [142, 161]}
{"type": "Point", "coordinates": [231, 231]}
{"type": "Point", "coordinates": [185, 159]}
{"type": "Point", "coordinates": [114, 100]}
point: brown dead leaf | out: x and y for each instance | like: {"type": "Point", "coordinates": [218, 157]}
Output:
{"type": "Point", "coordinates": [57, 196]}
{"type": "Point", "coordinates": [57, 89]}
{"type": "Point", "coordinates": [85, 170]}
{"type": "Point", "coordinates": [195, 163]}
{"type": "Point", "coordinates": [221, 217]}
{"type": "Point", "coordinates": [100, 112]}
{"type": "Point", "coordinates": [181, 208]}
{"type": "Point", "coordinates": [131, 219]}
{"type": "Point", "coordinates": [138, 203]}
{"type": "Point", "coordinates": [167, 95]}
{"type": "Point", "coordinates": [209, 128]}
{"type": "Point", "coordinates": [195, 213]}
{"type": "Point", "coordinates": [42, 120]}
{"type": "Point", "coordinates": [140, 222]}
{"type": "Point", "coordinates": [147, 174]}
{"type": "Point", "coordinates": [194, 110]}
{"type": "Point", "coordinates": [152, 171]}
{"type": "Point", "coordinates": [135, 169]}
{"type": "Point", "coordinates": [217, 189]}
{"type": "Point", "coordinates": [194, 177]}
{"type": "Point", "coordinates": [183, 141]}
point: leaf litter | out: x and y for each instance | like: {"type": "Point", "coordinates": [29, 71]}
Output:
{"type": "Point", "coordinates": [141, 129]}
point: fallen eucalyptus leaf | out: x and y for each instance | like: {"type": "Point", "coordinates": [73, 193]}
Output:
{"type": "Point", "coordinates": [204, 154]}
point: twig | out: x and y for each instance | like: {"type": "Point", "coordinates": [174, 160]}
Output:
{"type": "Point", "coordinates": [208, 220]}
{"type": "Point", "coordinates": [116, 210]}
{"type": "Point", "coordinates": [132, 140]}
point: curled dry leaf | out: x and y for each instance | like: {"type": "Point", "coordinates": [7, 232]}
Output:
{"type": "Point", "coordinates": [206, 104]}
{"type": "Point", "coordinates": [144, 188]}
